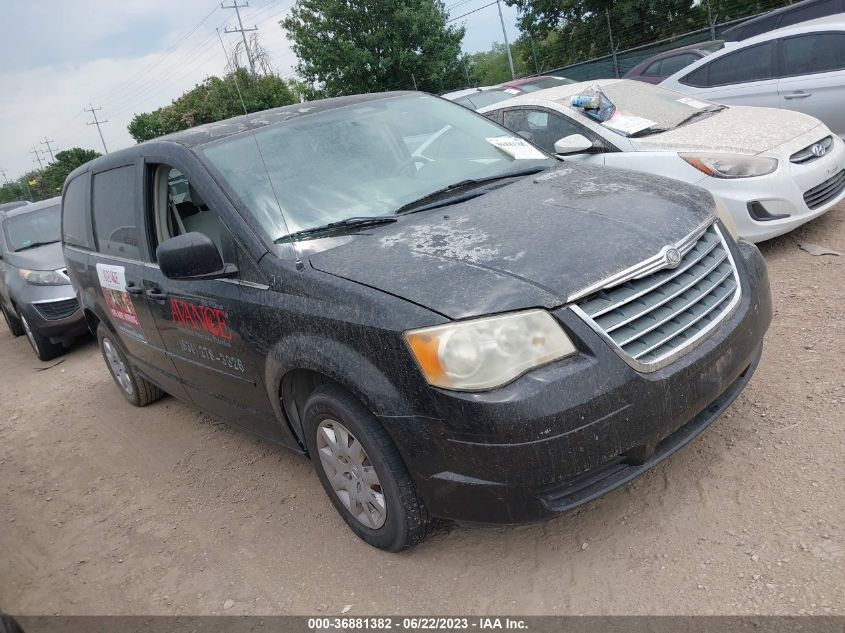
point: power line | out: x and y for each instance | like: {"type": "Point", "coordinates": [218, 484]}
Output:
{"type": "Point", "coordinates": [145, 90]}
{"type": "Point", "coordinates": [144, 71]}
{"type": "Point", "coordinates": [171, 79]}
{"type": "Point", "coordinates": [471, 12]}
{"type": "Point", "coordinates": [93, 112]}
{"type": "Point", "coordinates": [237, 7]}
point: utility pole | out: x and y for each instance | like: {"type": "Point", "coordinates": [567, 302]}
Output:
{"type": "Point", "coordinates": [613, 49]}
{"type": "Point", "coordinates": [237, 7]}
{"type": "Point", "coordinates": [505, 33]}
{"type": "Point", "coordinates": [37, 153]}
{"type": "Point", "coordinates": [49, 149]}
{"type": "Point", "coordinates": [93, 112]}
{"type": "Point", "coordinates": [712, 19]}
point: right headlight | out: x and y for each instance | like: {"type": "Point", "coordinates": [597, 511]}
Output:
{"type": "Point", "coordinates": [43, 277]}
{"type": "Point", "coordinates": [731, 165]}
{"type": "Point", "coordinates": [489, 352]}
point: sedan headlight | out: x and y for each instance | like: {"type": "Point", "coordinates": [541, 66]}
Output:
{"type": "Point", "coordinates": [731, 165]}
{"type": "Point", "coordinates": [43, 277]}
{"type": "Point", "coordinates": [489, 352]}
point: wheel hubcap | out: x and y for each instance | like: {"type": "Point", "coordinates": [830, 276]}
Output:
{"type": "Point", "coordinates": [351, 473]}
{"type": "Point", "coordinates": [117, 366]}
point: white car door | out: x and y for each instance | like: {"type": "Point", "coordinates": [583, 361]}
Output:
{"type": "Point", "coordinates": [740, 77]}
{"type": "Point", "coordinates": [813, 77]}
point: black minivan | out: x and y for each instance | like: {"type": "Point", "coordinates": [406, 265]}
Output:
{"type": "Point", "coordinates": [451, 323]}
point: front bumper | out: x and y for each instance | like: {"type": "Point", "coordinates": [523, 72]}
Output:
{"type": "Point", "coordinates": [36, 305]}
{"type": "Point", "coordinates": [570, 431]}
{"type": "Point", "coordinates": [780, 193]}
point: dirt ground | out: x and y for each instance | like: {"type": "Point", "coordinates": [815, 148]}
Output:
{"type": "Point", "coordinates": [108, 509]}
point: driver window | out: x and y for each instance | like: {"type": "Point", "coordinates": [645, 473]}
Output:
{"type": "Point", "coordinates": [541, 127]}
{"type": "Point", "coordinates": [180, 208]}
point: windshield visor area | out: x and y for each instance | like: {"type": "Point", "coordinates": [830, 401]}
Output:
{"type": "Point", "coordinates": [35, 228]}
{"type": "Point", "coordinates": [363, 160]}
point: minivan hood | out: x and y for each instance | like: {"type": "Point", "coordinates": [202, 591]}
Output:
{"type": "Point", "coordinates": [736, 129]}
{"type": "Point", "coordinates": [47, 257]}
{"type": "Point", "coordinates": [532, 243]}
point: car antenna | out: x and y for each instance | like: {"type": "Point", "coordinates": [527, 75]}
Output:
{"type": "Point", "coordinates": [298, 259]}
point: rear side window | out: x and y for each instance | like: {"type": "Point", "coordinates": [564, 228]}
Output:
{"type": "Point", "coordinates": [114, 213]}
{"type": "Point", "coordinates": [671, 65]}
{"type": "Point", "coordinates": [809, 12]}
{"type": "Point", "coordinates": [754, 63]}
{"type": "Point", "coordinates": [653, 69]}
{"type": "Point", "coordinates": [813, 53]}
{"type": "Point", "coordinates": [756, 28]}
{"type": "Point", "coordinates": [76, 215]}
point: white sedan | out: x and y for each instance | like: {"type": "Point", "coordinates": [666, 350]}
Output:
{"type": "Point", "coordinates": [799, 67]}
{"type": "Point", "coordinates": [773, 169]}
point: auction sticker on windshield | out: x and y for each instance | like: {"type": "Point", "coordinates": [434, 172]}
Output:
{"type": "Point", "coordinates": [693, 103]}
{"type": "Point", "coordinates": [517, 148]}
{"type": "Point", "coordinates": [118, 301]}
{"type": "Point", "coordinates": [627, 124]}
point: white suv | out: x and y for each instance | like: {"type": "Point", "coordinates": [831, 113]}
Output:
{"type": "Point", "coordinates": [799, 68]}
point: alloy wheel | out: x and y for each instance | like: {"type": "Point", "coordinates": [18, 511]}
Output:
{"type": "Point", "coordinates": [351, 473]}
{"type": "Point", "coordinates": [117, 366]}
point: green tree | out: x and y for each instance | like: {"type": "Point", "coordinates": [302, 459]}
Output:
{"type": "Point", "coordinates": [47, 182]}
{"type": "Point", "coordinates": [491, 67]}
{"type": "Point", "coordinates": [215, 99]}
{"type": "Point", "coordinates": [358, 46]}
{"type": "Point", "coordinates": [570, 31]}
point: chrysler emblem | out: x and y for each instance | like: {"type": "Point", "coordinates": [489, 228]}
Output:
{"type": "Point", "coordinates": [818, 150]}
{"type": "Point", "coordinates": [673, 257]}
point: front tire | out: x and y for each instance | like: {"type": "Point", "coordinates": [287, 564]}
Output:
{"type": "Point", "coordinates": [12, 321]}
{"type": "Point", "coordinates": [42, 346]}
{"type": "Point", "coordinates": [362, 472]}
{"type": "Point", "coordinates": [138, 391]}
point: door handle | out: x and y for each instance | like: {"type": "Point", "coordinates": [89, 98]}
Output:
{"type": "Point", "coordinates": [798, 95]}
{"type": "Point", "coordinates": [156, 294]}
{"type": "Point", "coordinates": [134, 290]}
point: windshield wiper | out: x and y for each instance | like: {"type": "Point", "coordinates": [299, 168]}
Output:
{"type": "Point", "coordinates": [439, 198]}
{"type": "Point", "coordinates": [35, 245]}
{"type": "Point", "coordinates": [348, 223]}
{"type": "Point", "coordinates": [649, 131]}
{"type": "Point", "coordinates": [695, 115]}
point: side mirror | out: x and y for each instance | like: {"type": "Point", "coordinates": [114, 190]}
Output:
{"type": "Point", "coordinates": [573, 144]}
{"type": "Point", "coordinates": [192, 256]}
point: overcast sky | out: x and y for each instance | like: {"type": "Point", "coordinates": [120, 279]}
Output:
{"type": "Point", "coordinates": [133, 56]}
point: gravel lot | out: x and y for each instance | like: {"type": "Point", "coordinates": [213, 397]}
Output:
{"type": "Point", "coordinates": [107, 509]}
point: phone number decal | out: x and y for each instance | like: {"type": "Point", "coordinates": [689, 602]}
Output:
{"type": "Point", "coordinates": [206, 353]}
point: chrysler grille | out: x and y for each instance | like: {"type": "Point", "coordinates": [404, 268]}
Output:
{"type": "Point", "coordinates": [655, 318]}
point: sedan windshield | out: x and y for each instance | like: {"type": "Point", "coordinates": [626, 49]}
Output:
{"type": "Point", "coordinates": [365, 160]}
{"type": "Point", "coordinates": [665, 109]}
{"type": "Point", "coordinates": [543, 83]}
{"type": "Point", "coordinates": [34, 228]}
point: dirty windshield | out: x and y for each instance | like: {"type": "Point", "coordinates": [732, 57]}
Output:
{"type": "Point", "coordinates": [364, 160]}
{"type": "Point", "coordinates": [666, 109]}
{"type": "Point", "coordinates": [35, 228]}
